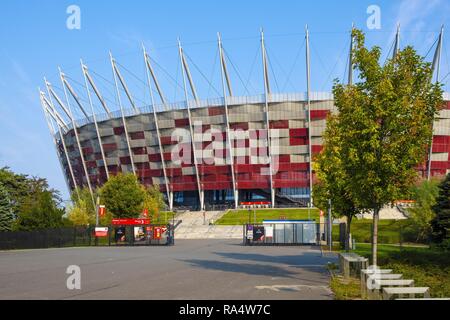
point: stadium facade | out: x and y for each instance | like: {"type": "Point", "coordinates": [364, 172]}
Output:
{"type": "Point", "coordinates": [243, 148]}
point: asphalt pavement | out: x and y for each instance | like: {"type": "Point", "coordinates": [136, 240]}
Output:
{"type": "Point", "coordinates": [192, 269]}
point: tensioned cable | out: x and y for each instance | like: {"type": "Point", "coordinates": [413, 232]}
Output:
{"type": "Point", "coordinates": [322, 64]}
{"type": "Point", "coordinates": [136, 77]}
{"type": "Point", "coordinates": [339, 59]}
{"type": "Point", "coordinates": [235, 70]}
{"type": "Point", "coordinates": [75, 111]}
{"type": "Point", "coordinates": [345, 70]}
{"type": "Point", "coordinates": [132, 74]}
{"type": "Point", "coordinates": [389, 52]}
{"type": "Point", "coordinates": [213, 71]}
{"type": "Point", "coordinates": [114, 103]}
{"type": "Point", "coordinates": [176, 81]}
{"type": "Point", "coordinates": [271, 69]}
{"type": "Point", "coordinates": [79, 84]}
{"type": "Point", "coordinates": [202, 74]}
{"type": "Point", "coordinates": [168, 75]}
{"type": "Point", "coordinates": [295, 63]}
{"type": "Point", "coordinates": [251, 69]}
{"type": "Point", "coordinates": [432, 46]}
{"type": "Point", "coordinates": [447, 62]}
{"type": "Point", "coordinates": [281, 68]}
{"type": "Point", "coordinates": [123, 90]}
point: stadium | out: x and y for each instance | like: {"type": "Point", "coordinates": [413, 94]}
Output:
{"type": "Point", "coordinates": [211, 153]}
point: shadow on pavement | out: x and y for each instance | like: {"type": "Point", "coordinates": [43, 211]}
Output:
{"type": "Point", "coordinates": [247, 268]}
{"type": "Point", "coordinates": [302, 260]}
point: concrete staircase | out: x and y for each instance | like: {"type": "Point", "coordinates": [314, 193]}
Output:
{"type": "Point", "coordinates": [197, 227]}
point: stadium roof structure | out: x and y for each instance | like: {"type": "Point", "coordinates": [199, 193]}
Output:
{"type": "Point", "coordinates": [137, 140]}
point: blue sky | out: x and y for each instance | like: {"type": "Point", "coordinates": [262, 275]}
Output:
{"type": "Point", "coordinates": [35, 41]}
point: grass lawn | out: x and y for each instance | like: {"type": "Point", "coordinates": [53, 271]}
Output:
{"type": "Point", "coordinates": [241, 217]}
{"type": "Point", "coordinates": [345, 289]}
{"type": "Point", "coordinates": [427, 266]}
{"type": "Point", "coordinates": [389, 232]}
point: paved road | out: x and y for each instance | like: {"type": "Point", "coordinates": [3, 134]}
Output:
{"type": "Point", "coordinates": [193, 269]}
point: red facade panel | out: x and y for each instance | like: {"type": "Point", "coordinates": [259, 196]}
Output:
{"type": "Point", "coordinates": [167, 141]}
{"type": "Point", "coordinates": [217, 186]}
{"type": "Point", "coordinates": [181, 123]}
{"type": "Point", "coordinates": [216, 111]}
{"type": "Point", "coordinates": [154, 157]}
{"type": "Point", "coordinates": [109, 147]}
{"type": "Point", "coordinates": [319, 114]}
{"type": "Point", "coordinates": [137, 135]}
{"type": "Point", "coordinates": [293, 141]}
{"type": "Point", "coordinates": [303, 132]}
{"type": "Point", "coordinates": [119, 131]}
{"type": "Point", "coordinates": [316, 149]}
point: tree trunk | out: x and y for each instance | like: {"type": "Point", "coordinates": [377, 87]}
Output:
{"type": "Point", "coordinates": [376, 216]}
{"type": "Point", "coordinates": [348, 231]}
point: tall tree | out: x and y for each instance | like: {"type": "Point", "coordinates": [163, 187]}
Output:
{"type": "Point", "coordinates": [441, 223]}
{"type": "Point", "coordinates": [17, 187]}
{"type": "Point", "coordinates": [333, 179]}
{"type": "Point", "coordinates": [123, 196]}
{"type": "Point", "coordinates": [385, 125]}
{"type": "Point", "coordinates": [39, 211]}
{"type": "Point", "coordinates": [6, 213]}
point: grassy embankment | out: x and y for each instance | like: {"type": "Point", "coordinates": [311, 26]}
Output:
{"type": "Point", "coordinates": [241, 217]}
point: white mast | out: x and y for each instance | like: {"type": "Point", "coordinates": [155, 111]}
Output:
{"type": "Point", "coordinates": [229, 138]}
{"type": "Point", "coordinates": [266, 101]}
{"type": "Point", "coordinates": [102, 151]}
{"type": "Point", "coordinates": [185, 70]}
{"type": "Point", "coordinates": [155, 117]}
{"type": "Point", "coordinates": [308, 81]}
{"type": "Point", "coordinates": [113, 65]}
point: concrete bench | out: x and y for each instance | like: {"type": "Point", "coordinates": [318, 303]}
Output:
{"type": "Point", "coordinates": [371, 278]}
{"type": "Point", "coordinates": [375, 294]}
{"type": "Point", "coordinates": [348, 259]}
{"type": "Point", "coordinates": [364, 275]}
{"type": "Point", "coordinates": [412, 292]}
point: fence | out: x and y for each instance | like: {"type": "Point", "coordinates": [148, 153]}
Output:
{"type": "Point", "coordinates": [151, 235]}
{"type": "Point", "coordinates": [284, 233]}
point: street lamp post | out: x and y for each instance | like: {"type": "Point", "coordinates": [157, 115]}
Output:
{"type": "Point", "coordinates": [173, 228]}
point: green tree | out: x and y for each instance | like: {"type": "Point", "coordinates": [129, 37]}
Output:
{"type": "Point", "coordinates": [6, 213]}
{"type": "Point", "coordinates": [385, 126]}
{"type": "Point", "coordinates": [333, 179]}
{"type": "Point", "coordinates": [421, 214]}
{"type": "Point", "coordinates": [39, 211]}
{"type": "Point", "coordinates": [154, 202]}
{"type": "Point", "coordinates": [441, 223]}
{"type": "Point", "coordinates": [82, 212]}
{"type": "Point", "coordinates": [123, 196]}
{"type": "Point", "coordinates": [80, 215]}
{"type": "Point", "coordinates": [17, 187]}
